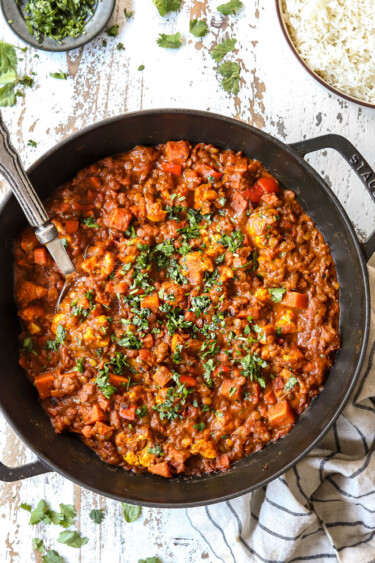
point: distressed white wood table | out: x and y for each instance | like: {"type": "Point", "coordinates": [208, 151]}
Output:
{"type": "Point", "coordinates": [276, 95]}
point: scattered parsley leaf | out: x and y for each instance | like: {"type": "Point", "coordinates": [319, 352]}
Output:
{"type": "Point", "coordinates": [68, 514]}
{"type": "Point", "coordinates": [198, 28]}
{"type": "Point", "coordinates": [72, 539]}
{"type": "Point", "coordinates": [52, 557]}
{"type": "Point", "coordinates": [141, 67]}
{"type": "Point", "coordinates": [166, 6]}
{"type": "Point", "coordinates": [200, 426]}
{"type": "Point", "coordinates": [128, 14]}
{"type": "Point", "coordinates": [131, 512]}
{"type": "Point", "coordinates": [230, 8]}
{"type": "Point", "coordinates": [112, 31]}
{"type": "Point", "coordinates": [31, 143]}
{"type": "Point", "coordinates": [150, 560]}
{"type": "Point", "coordinates": [38, 545]}
{"type": "Point", "coordinates": [7, 95]}
{"type": "Point", "coordinates": [27, 81]}
{"type": "Point", "coordinates": [276, 293]}
{"type": "Point", "coordinates": [97, 516]}
{"type": "Point", "coordinates": [221, 49]}
{"type": "Point", "coordinates": [169, 41]}
{"type": "Point", "coordinates": [231, 73]}
{"type": "Point", "coordinates": [120, 47]}
{"type": "Point", "coordinates": [26, 506]}
{"type": "Point", "coordinates": [59, 75]}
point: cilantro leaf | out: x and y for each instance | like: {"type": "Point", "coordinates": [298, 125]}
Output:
{"type": "Point", "coordinates": [166, 6]}
{"type": "Point", "coordinates": [112, 31]}
{"type": "Point", "coordinates": [231, 73]}
{"type": "Point", "coordinates": [221, 49]}
{"type": "Point", "coordinates": [233, 241]}
{"type": "Point", "coordinates": [31, 143]}
{"type": "Point", "coordinates": [198, 28]}
{"type": "Point", "coordinates": [251, 367]}
{"type": "Point", "coordinates": [38, 545]}
{"type": "Point", "coordinates": [97, 516]}
{"type": "Point", "coordinates": [52, 557]}
{"type": "Point", "coordinates": [7, 95]}
{"type": "Point", "coordinates": [90, 222]}
{"type": "Point", "coordinates": [40, 514]}
{"type": "Point", "coordinates": [276, 293]}
{"type": "Point", "coordinates": [200, 426]}
{"type": "Point", "coordinates": [26, 506]}
{"type": "Point", "coordinates": [8, 61]}
{"type": "Point", "coordinates": [59, 75]}
{"type": "Point", "coordinates": [128, 14]}
{"type": "Point", "coordinates": [156, 450]}
{"type": "Point", "coordinates": [169, 41]}
{"type": "Point", "coordinates": [292, 381]}
{"type": "Point", "coordinates": [68, 514]}
{"type": "Point", "coordinates": [230, 8]}
{"type": "Point", "coordinates": [102, 381]}
{"type": "Point", "coordinates": [150, 560]}
{"type": "Point", "coordinates": [72, 539]}
{"type": "Point", "coordinates": [131, 512]}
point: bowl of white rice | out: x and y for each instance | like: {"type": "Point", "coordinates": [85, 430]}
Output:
{"type": "Point", "coordinates": [335, 42]}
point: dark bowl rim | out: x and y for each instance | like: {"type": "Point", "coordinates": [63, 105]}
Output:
{"type": "Point", "coordinates": [76, 42]}
{"type": "Point", "coordinates": [312, 73]}
{"type": "Point", "coordinates": [366, 322]}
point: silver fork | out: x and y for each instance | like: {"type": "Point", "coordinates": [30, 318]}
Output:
{"type": "Point", "coordinates": [12, 170]}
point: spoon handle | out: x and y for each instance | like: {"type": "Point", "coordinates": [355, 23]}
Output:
{"type": "Point", "coordinates": [12, 170]}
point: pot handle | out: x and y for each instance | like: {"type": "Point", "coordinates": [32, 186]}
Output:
{"type": "Point", "coordinates": [11, 474]}
{"type": "Point", "coordinates": [354, 158]}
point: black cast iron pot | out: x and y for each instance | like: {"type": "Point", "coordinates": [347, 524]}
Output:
{"type": "Point", "coordinates": [66, 454]}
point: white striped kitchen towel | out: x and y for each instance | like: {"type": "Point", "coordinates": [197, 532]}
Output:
{"type": "Point", "coordinates": [321, 510]}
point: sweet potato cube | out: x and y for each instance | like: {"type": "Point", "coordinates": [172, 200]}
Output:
{"type": "Point", "coordinates": [30, 313]}
{"type": "Point", "coordinates": [150, 301]}
{"type": "Point", "coordinates": [95, 414]}
{"type": "Point", "coordinates": [230, 389]}
{"type": "Point", "coordinates": [161, 469]}
{"type": "Point", "coordinates": [40, 256]}
{"type": "Point", "coordinates": [177, 151]}
{"type": "Point", "coordinates": [295, 299]}
{"type": "Point", "coordinates": [119, 219]}
{"type": "Point", "coordinates": [117, 380]}
{"type": "Point", "coordinates": [71, 226]}
{"type": "Point", "coordinates": [162, 376]}
{"type": "Point", "coordinates": [281, 414]}
{"type": "Point", "coordinates": [197, 263]}
{"type": "Point", "coordinates": [44, 384]}
{"type": "Point", "coordinates": [28, 291]}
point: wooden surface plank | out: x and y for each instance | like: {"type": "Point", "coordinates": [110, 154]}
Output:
{"type": "Point", "coordinates": [276, 95]}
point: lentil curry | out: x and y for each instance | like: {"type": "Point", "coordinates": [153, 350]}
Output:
{"type": "Point", "coordinates": [203, 317]}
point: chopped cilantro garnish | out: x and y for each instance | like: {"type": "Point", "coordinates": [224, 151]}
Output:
{"type": "Point", "coordinates": [90, 222]}
{"type": "Point", "coordinates": [233, 241]}
{"type": "Point", "coordinates": [276, 293]}
{"type": "Point", "coordinates": [200, 426]}
{"type": "Point", "coordinates": [292, 381]}
{"type": "Point", "coordinates": [156, 450]}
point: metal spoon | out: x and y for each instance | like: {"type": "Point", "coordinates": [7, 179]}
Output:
{"type": "Point", "coordinates": [46, 232]}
